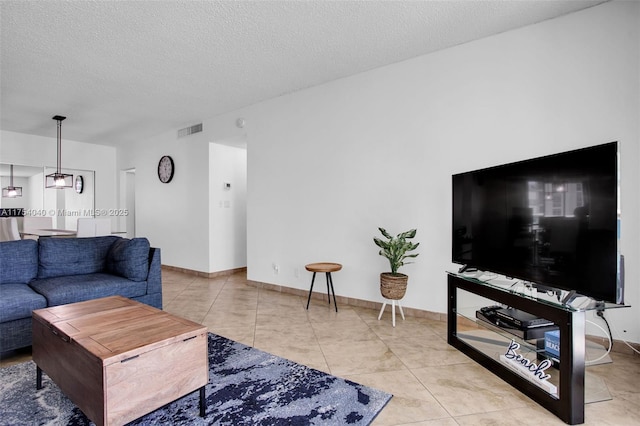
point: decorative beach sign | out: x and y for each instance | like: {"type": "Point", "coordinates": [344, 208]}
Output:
{"type": "Point", "coordinates": [528, 369]}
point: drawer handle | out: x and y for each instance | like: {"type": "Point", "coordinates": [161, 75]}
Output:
{"type": "Point", "coordinates": [189, 338]}
{"type": "Point", "coordinates": [130, 358]}
{"type": "Point", "coordinates": [61, 336]}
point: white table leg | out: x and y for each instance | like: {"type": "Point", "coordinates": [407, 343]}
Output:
{"type": "Point", "coordinates": [393, 312]}
{"type": "Point", "coordinates": [382, 310]}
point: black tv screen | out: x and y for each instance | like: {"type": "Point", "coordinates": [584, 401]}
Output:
{"type": "Point", "coordinates": [551, 221]}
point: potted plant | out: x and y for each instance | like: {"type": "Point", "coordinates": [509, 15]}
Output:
{"type": "Point", "coordinates": [393, 285]}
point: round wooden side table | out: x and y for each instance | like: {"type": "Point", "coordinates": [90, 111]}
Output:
{"type": "Point", "coordinates": [327, 268]}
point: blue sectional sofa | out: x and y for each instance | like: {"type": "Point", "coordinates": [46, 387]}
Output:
{"type": "Point", "coordinates": [56, 271]}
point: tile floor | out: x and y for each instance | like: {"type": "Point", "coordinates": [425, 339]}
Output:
{"type": "Point", "coordinates": [432, 383]}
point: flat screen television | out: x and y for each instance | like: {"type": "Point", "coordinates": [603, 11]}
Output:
{"type": "Point", "coordinates": [551, 221]}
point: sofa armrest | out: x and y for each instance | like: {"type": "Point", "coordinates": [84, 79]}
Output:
{"type": "Point", "coordinates": [154, 279]}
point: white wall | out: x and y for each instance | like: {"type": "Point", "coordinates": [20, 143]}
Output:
{"type": "Point", "coordinates": [36, 191]}
{"type": "Point", "coordinates": [130, 202]}
{"type": "Point", "coordinates": [82, 203]}
{"type": "Point", "coordinates": [183, 217]}
{"type": "Point", "coordinates": [173, 216]}
{"type": "Point", "coordinates": [228, 207]}
{"type": "Point", "coordinates": [328, 165]}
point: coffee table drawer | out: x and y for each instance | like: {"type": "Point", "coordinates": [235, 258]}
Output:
{"type": "Point", "coordinates": [145, 382]}
{"type": "Point", "coordinates": [117, 359]}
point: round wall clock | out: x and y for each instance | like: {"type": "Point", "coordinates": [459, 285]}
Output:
{"type": "Point", "coordinates": [79, 184]}
{"type": "Point", "coordinates": [165, 169]}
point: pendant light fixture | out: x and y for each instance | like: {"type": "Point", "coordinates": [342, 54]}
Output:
{"type": "Point", "coordinates": [11, 191]}
{"type": "Point", "coordinates": [58, 179]}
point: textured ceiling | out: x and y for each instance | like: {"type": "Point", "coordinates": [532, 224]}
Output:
{"type": "Point", "coordinates": [122, 71]}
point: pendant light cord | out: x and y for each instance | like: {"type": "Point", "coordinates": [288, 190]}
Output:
{"type": "Point", "coordinates": [59, 168]}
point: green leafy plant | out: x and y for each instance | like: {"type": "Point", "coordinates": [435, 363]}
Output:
{"type": "Point", "coordinates": [395, 248]}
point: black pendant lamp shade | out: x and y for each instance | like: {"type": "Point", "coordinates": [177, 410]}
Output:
{"type": "Point", "coordinates": [58, 179]}
{"type": "Point", "coordinates": [11, 191]}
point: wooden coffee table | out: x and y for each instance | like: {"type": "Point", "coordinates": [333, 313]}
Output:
{"type": "Point", "coordinates": [118, 359]}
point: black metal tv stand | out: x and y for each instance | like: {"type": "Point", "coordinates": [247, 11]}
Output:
{"type": "Point", "coordinates": [568, 402]}
{"type": "Point", "coordinates": [564, 393]}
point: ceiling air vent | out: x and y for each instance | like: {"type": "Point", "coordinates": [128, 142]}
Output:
{"type": "Point", "coordinates": [196, 128]}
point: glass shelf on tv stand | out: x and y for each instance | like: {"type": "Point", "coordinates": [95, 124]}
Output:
{"type": "Point", "coordinates": [569, 301]}
{"type": "Point", "coordinates": [476, 336]}
{"type": "Point", "coordinates": [492, 341]}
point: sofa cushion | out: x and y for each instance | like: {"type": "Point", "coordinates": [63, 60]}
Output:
{"type": "Point", "coordinates": [17, 302]}
{"type": "Point", "coordinates": [78, 288]}
{"type": "Point", "coordinates": [60, 257]}
{"type": "Point", "coordinates": [129, 258]}
{"type": "Point", "coordinates": [19, 261]}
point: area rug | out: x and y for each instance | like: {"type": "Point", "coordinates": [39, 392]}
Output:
{"type": "Point", "coordinates": [246, 387]}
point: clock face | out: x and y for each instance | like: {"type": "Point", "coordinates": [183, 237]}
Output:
{"type": "Point", "coordinates": [79, 186]}
{"type": "Point", "coordinates": [165, 169]}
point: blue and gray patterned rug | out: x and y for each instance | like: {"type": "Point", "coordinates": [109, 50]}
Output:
{"type": "Point", "coordinates": [246, 387]}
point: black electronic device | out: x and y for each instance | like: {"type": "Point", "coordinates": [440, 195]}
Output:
{"type": "Point", "coordinates": [552, 221]}
{"type": "Point", "coordinates": [521, 319]}
{"type": "Point", "coordinates": [490, 309]}
{"type": "Point", "coordinates": [489, 315]}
